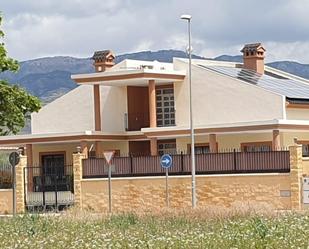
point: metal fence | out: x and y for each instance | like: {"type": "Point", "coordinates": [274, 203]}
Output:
{"type": "Point", "coordinates": [49, 186]}
{"type": "Point", "coordinates": [209, 163]}
{"type": "Point", "coordinates": [6, 176]}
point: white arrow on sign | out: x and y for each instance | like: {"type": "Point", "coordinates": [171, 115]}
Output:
{"type": "Point", "coordinates": [166, 161]}
{"type": "Point", "coordinates": [108, 155]}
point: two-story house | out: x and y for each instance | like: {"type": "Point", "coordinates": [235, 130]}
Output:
{"type": "Point", "coordinates": [142, 107]}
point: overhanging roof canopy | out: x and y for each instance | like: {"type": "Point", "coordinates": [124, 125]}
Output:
{"type": "Point", "coordinates": [129, 77]}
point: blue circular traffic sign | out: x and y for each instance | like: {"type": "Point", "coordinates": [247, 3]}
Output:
{"type": "Point", "coordinates": [166, 161]}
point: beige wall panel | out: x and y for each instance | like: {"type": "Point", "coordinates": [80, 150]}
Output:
{"type": "Point", "coordinates": [220, 99]}
{"type": "Point", "coordinates": [123, 146]}
{"type": "Point", "coordinates": [69, 148]}
{"type": "Point", "coordinates": [297, 114]}
{"type": "Point", "coordinates": [225, 142]}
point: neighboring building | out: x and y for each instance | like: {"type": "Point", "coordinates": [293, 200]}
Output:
{"type": "Point", "coordinates": [142, 107]}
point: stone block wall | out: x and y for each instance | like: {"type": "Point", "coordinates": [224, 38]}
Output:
{"type": "Point", "coordinates": [6, 201]}
{"type": "Point", "coordinates": [148, 193]}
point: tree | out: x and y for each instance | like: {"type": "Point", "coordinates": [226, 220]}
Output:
{"type": "Point", "coordinates": [16, 104]}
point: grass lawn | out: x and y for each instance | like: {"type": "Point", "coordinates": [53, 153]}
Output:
{"type": "Point", "coordinates": [172, 230]}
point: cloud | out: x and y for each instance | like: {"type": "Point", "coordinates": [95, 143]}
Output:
{"type": "Point", "coordinates": [75, 27]}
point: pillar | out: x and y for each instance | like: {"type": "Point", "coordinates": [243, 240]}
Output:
{"type": "Point", "coordinates": [78, 176]}
{"type": "Point", "coordinates": [98, 149]}
{"type": "Point", "coordinates": [84, 148]}
{"type": "Point", "coordinates": [276, 140]}
{"type": "Point", "coordinates": [29, 155]}
{"type": "Point", "coordinates": [153, 147]}
{"type": "Point", "coordinates": [97, 108]}
{"type": "Point", "coordinates": [20, 185]}
{"type": "Point", "coordinates": [213, 143]}
{"type": "Point", "coordinates": [295, 176]}
{"type": "Point", "coordinates": [29, 176]}
{"type": "Point", "coordinates": [152, 104]}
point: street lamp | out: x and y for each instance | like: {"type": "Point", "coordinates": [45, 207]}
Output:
{"type": "Point", "coordinates": [188, 18]}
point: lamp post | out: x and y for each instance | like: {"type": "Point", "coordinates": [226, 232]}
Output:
{"type": "Point", "coordinates": [188, 19]}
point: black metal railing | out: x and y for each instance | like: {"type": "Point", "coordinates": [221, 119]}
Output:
{"type": "Point", "coordinates": [209, 163]}
{"type": "Point", "coordinates": [6, 176]}
{"type": "Point", "coordinates": [56, 178]}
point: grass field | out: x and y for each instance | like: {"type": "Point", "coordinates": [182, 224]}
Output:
{"type": "Point", "coordinates": [165, 230]}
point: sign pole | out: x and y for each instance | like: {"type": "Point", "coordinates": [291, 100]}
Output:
{"type": "Point", "coordinates": [166, 162]}
{"type": "Point", "coordinates": [14, 159]}
{"type": "Point", "coordinates": [108, 155]}
{"type": "Point", "coordinates": [166, 188]}
{"type": "Point", "coordinates": [14, 190]}
{"type": "Point", "coordinates": [109, 188]}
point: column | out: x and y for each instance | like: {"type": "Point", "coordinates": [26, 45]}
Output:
{"type": "Point", "coordinates": [295, 176]}
{"type": "Point", "coordinates": [213, 143]}
{"type": "Point", "coordinates": [20, 185]}
{"type": "Point", "coordinates": [152, 104]}
{"type": "Point", "coordinates": [29, 155]}
{"type": "Point", "coordinates": [276, 140]}
{"type": "Point", "coordinates": [29, 176]}
{"type": "Point", "coordinates": [98, 149]}
{"type": "Point", "coordinates": [97, 108]}
{"type": "Point", "coordinates": [84, 148]}
{"type": "Point", "coordinates": [78, 176]}
{"type": "Point", "coordinates": [153, 147]}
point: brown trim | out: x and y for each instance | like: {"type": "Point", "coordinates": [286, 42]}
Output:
{"type": "Point", "coordinates": [228, 129]}
{"type": "Point", "coordinates": [52, 153]}
{"type": "Point", "coordinates": [97, 107]}
{"type": "Point", "coordinates": [267, 143]}
{"type": "Point", "coordinates": [297, 106]}
{"type": "Point", "coordinates": [153, 134]}
{"type": "Point", "coordinates": [276, 140]}
{"type": "Point", "coordinates": [167, 86]}
{"type": "Point", "coordinates": [130, 76]}
{"type": "Point", "coordinates": [71, 138]}
{"type": "Point", "coordinates": [29, 154]}
{"type": "Point", "coordinates": [153, 147]}
{"type": "Point", "coordinates": [152, 103]}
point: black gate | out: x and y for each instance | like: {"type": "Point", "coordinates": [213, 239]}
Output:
{"type": "Point", "coordinates": [49, 187]}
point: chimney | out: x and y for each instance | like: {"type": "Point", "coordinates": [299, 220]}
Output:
{"type": "Point", "coordinates": [103, 60]}
{"type": "Point", "coordinates": [253, 57]}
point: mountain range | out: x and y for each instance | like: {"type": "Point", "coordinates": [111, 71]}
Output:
{"type": "Point", "coordinates": [50, 77]}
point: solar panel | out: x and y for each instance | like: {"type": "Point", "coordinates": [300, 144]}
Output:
{"type": "Point", "coordinates": [287, 87]}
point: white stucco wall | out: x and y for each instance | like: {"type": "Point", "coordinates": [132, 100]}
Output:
{"type": "Point", "coordinates": [73, 112]}
{"type": "Point", "coordinates": [113, 108]}
{"type": "Point", "coordinates": [219, 99]}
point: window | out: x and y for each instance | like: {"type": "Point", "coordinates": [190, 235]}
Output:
{"type": "Point", "coordinates": [165, 107]}
{"type": "Point", "coordinates": [305, 147]}
{"type": "Point", "coordinates": [305, 150]}
{"type": "Point", "coordinates": [167, 147]}
{"type": "Point", "coordinates": [199, 148]}
{"type": "Point", "coordinates": [53, 162]}
{"type": "Point", "coordinates": [256, 146]}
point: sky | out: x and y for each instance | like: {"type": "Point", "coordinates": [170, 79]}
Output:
{"type": "Point", "coordinates": [39, 28]}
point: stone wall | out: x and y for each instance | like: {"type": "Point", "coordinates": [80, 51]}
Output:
{"type": "Point", "coordinates": [148, 193]}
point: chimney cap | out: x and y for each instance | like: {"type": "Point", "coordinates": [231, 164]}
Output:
{"type": "Point", "coordinates": [253, 47]}
{"type": "Point", "coordinates": [102, 55]}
